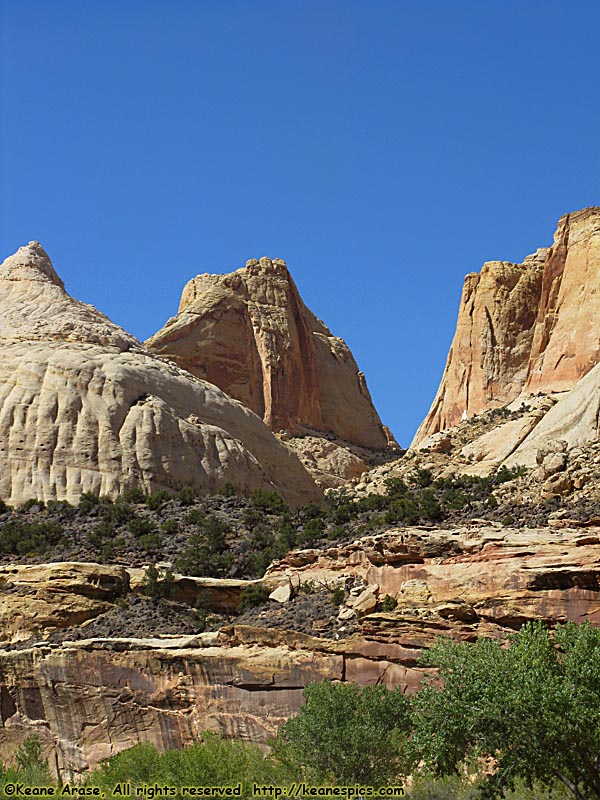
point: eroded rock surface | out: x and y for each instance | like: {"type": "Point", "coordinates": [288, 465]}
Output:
{"type": "Point", "coordinates": [524, 328]}
{"type": "Point", "coordinates": [250, 333]}
{"type": "Point", "coordinates": [84, 407]}
{"type": "Point", "coordinates": [91, 698]}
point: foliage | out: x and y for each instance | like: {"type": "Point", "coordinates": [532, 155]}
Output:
{"type": "Point", "coordinates": [31, 768]}
{"type": "Point", "coordinates": [252, 595]}
{"type": "Point", "coordinates": [169, 526]}
{"type": "Point", "coordinates": [141, 526]}
{"type": "Point", "coordinates": [348, 734]}
{"type": "Point", "coordinates": [87, 501]}
{"type": "Point", "coordinates": [158, 584]}
{"type": "Point", "coordinates": [158, 499]}
{"type": "Point", "coordinates": [227, 489]}
{"type": "Point", "coordinates": [389, 603]}
{"type": "Point", "coordinates": [133, 495]}
{"type": "Point", "coordinates": [206, 552]}
{"type": "Point", "coordinates": [20, 538]}
{"type": "Point", "coordinates": [337, 596]}
{"type": "Point", "coordinates": [28, 504]}
{"type": "Point", "coordinates": [533, 708]}
{"type": "Point", "coordinates": [268, 501]}
{"type": "Point", "coordinates": [185, 496]}
{"type": "Point", "coordinates": [210, 762]}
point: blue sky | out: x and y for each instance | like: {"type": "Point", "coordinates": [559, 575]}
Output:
{"type": "Point", "coordinates": [384, 149]}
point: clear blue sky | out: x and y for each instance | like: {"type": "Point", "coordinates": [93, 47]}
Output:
{"type": "Point", "coordinates": [384, 149]}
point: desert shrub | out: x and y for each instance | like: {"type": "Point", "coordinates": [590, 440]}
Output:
{"type": "Point", "coordinates": [395, 487]}
{"type": "Point", "coordinates": [422, 478]}
{"type": "Point", "coordinates": [87, 502]}
{"type": "Point", "coordinates": [227, 490]}
{"type": "Point", "coordinates": [251, 596]}
{"type": "Point", "coordinates": [213, 761]}
{"type": "Point", "coordinates": [337, 596]}
{"type": "Point", "coordinates": [19, 538]}
{"type": "Point", "coordinates": [150, 542]}
{"type": "Point", "coordinates": [133, 495]}
{"type": "Point", "coordinates": [389, 603]}
{"type": "Point", "coordinates": [311, 531]}
{"type": "Point", "coordinates": [185, 496]}
{"type": "Point", "coordinates": [157, 500]}
{"type": "Point", "coordinates": [268, 501]}
{"type": "Point", "coordinates": [28, 504]}
{"type": "Point", "coordinates": [141, 526]}
{"type": "Point", "coordinates": [169, 526]}
{"type": "Point", "coordinates": [158, 584]}
{"type": "Point", "coordinates": [195, 516]}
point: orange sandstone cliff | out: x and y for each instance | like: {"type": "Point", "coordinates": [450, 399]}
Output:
{"type": "Point", "coordinates": [250, 333]}
{"type": "Point", "coordinates": [524, 328]}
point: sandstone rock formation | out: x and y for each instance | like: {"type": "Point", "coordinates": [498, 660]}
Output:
{"type": "Point", "coordinates": [524, 328]}
{"type": "Point", "coordinates": [250, 333]}
{"type": "Point", "coordinates": [84, 407]}
{"type": "Point", "coordinates": [91, 698]}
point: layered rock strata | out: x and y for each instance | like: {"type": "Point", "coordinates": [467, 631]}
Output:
{"type": "Point", "coordinates": [250, 333]}
{"type": "Point", "coordinates": [92, 698]}
{"type": "Point", "coordinates": [524, 328]}
{"type": "Point", "coordinates": [85, 407]}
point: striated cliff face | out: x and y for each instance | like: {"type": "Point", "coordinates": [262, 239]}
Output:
{"type": "Point", "coordinates": [524, 328]}
{"type": "Point", "coordinates": [91, 698]}
{"type": "Point", "coordinates": [85, 407]}
{"type": "Point", "coordinates": [250, 333]}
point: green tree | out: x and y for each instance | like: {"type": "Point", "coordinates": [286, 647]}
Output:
{"type": "Point", "coordinates": [348, 733]}
{"type": "Point", "coordinates": [532, 709]}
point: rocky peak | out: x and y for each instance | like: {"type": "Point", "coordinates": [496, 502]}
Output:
{"type": "Point", "coordinates": [30, 263]}
{"type": "Point", "coordinates": [34, 305]}
{"type": "Point", "coordinates": [250, 333]}
{"type": "Point", "coordinates": [84, 407]}
{"type": "Point", "coordinates": [524, 328]}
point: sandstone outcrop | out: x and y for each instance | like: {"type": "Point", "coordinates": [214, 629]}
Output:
{"type": "Point", "coordinates": [85, 407]}
{"type": "Point", "coordinates": [524, 328]}
{"type": "Point", "coordinates": [250, 333]}
{"type": "Point", "coordinates": [91, 698]}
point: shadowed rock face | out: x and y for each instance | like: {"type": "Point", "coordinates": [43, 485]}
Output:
{"type": "Point", "coordinates": [250, 333]}
{"type": "Point", "coordinates": [85, 407]}
{"type": "Point", "coordinates": [524, 328]}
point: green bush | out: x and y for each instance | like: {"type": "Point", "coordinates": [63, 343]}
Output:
{"type": "Point", "coordinates": [30, 504]}
{"type": "Point", "coordinates": [210, 762]}
{"type": "Point", "coordinates": [141, 526]}
{"type": "Point", "coordinates": [227, 490]}
{"type": "Point", "coordinates": [268, 501]}
{"type": "Point", "coordinates": [150, 542]}
{"type": "Point", "coordinates": [185, 496]}
{"type": "Point", "coordinates": [337, 596]}
{"type": "Point", "coordinates": [158, 584]}
{"type": "Point", "coordinates": [87, 502]}
{"type": "Point", "coordinates": [157, 500]}
{"type": "Point", "coordinates": [389, 603]}
{"type": "Point", "coordinates": [19, 538]}
{"type": "Point", "coordinates": [169, 526]}
{"type": "Point", "coordinates": [532, 708]}
{"type": "Point", "coordinates": [252, 596]}
{"type": "Point", "coordinates": [348, 734]}
{"type": "Point", "coordinates": [133, 495]}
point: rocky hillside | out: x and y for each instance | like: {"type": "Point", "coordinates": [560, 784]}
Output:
{"type": "Point", "coordinates": [112, 674]}
{"type": "Point", "coordinates": [250, 333]}
{"type": "Point", "coordinates": [524, 328]}
{"type": "Point", "coordinates": [85, 407]}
